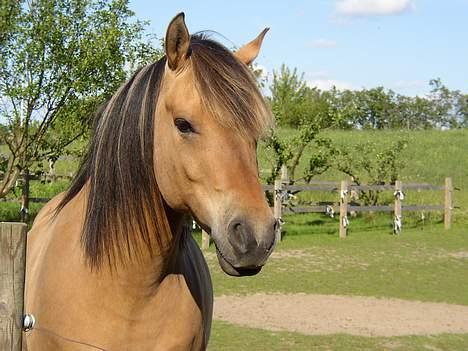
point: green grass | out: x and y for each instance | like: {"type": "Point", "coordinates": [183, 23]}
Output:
{"type": "Point", "coordinates": [228, 337]}
{"type": "Point", "coordinates": [421, 264]}
{"type": "Point", "coordinates": [10, 211]}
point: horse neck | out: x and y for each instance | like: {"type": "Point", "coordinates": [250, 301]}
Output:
{"type": "Point", "coordinates": [152, 268]}
{"type": "Point", "coordinates": [144, 269]}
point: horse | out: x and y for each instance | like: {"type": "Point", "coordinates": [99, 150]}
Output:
{"type": "Point", "coordinates": [111, 262]}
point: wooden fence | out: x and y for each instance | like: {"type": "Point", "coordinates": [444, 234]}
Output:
{"type": "Point", "coordinates": [282, 189]}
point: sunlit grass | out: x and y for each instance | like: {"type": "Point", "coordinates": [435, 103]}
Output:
{"type": "Point", "coordinates": [229, 337]}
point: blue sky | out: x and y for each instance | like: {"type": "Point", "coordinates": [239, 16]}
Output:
{"type": "Point", "coordinates": [398, 44]}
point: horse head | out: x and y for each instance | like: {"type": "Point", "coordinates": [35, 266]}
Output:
{"type": "Point", "coordinates": [209, 116]}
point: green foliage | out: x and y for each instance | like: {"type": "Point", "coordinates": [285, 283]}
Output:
{"type": "Point", "coordinates": [450, 108]}
{"type": "Point", "coordinates": [309, 154]}
{"type": "Point", "coordinates": [59, 61]}
{"type": "Point", "coordinates": [378, 108]}
{"type": "Point", "coordinates": [293, 103]}
{"type": "Point", "coordinates": [289, 151]}
{"type": "Point", "coordinates": [288, 91]}
{"type": "Point", "coordinates": [296, 105]}
{"type": "Point", "coordinates": [371, 163]}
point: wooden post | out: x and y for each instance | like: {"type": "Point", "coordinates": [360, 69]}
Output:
{"type": "Point", "coordinates": [280, 187]}
{"type": "Point", "coordinates": [284, 174]}
{"type": "Point", "coordinates": [52, 172]}
{"type": "Point", "coordinates": [343, 209]}
{"type": "Point", "coordinates": [277, 207]}
{"type": "Point", "coordinates": [397, 208]}
{"type": "Point", "coordinates": [205, 240]}
{"type": "Point", "coordinates": [25, 197]}
{"type": "Point", "coordinates": [12, 270]}
{"type": "Point", "coordinates": [448, 205]}
{"type": "Point", "coordinates": [278, 199]}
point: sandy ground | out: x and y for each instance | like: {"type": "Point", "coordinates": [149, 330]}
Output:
{"type": "Point", "coordinates": [330, 314]}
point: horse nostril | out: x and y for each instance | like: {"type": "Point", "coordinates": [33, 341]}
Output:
{"type": "Point", "coordinates": [236, 227]}
{"type": "Point", "coordinates": [241, 237]}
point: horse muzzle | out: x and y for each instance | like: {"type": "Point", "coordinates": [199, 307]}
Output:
{"type": "Point", "coordinates": [245, 248]}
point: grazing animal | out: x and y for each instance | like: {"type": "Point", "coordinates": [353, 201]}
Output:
{"type": "Point", "coordinates": [111, 264]}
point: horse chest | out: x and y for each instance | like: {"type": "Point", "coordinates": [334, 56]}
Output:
{"type": "Point", "coordinates": [168, 320]}
{"type": "Point", "coordinates": [74, 308]}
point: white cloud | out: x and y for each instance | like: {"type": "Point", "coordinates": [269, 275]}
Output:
{"type": "Point", "coordinates": [373, 7]}
{"type": "Point", "coordinates": [323, 43]}
{"type": "Point", "coordinates": [327, 84]}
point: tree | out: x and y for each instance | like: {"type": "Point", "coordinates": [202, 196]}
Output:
{"type": "Point", "coordinates": [371, 163]}
{"type": "Point", "coordinates": [449, 106]}
{"type": "Point", "coordinates": [461, 109]}
{"type": "Point", "coordinates": [306, 109]}
{"type": "Point", "coordinates": [413, 113]}
{"type": "Point", "coordinates": [288, 96]}
{"type": "Point", "coordinates": [60, 59]}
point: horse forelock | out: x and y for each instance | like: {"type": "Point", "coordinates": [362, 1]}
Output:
{"type": "Point", "coordinates": [227, 88]}
{"type": "Point", "coordinates": [124, 206]}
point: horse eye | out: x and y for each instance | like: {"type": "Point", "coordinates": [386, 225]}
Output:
{"type": "Point", "coordinates": [183, 126]}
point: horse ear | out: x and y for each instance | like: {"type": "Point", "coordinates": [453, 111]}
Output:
{"type": "Point", "coordinates": [249, 52]}
{"type": "Point", "coordinates": [177, 42]}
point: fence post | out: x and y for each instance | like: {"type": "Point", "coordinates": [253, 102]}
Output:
{"type": "Point", "coordinates": [205, 240]}
{"type": "Point", "coordinates": [12, 271]}
{"type": "Point", "coordinates": [284, 174]}
{"type": "Point", "coordinates": [277, 207]}
{"type": "Point", "coordinates": [25, 197]}
{"type": "Point", "coordinates": [448, 205]}
{"type": "Point", "coordinates": [343, 208]}
{"type": "Point", "coordinates": [278, 199]}
{"type": "Point", "coordinates": [397, 208]}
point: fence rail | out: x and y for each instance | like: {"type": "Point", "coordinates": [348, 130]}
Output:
{"type": "Point", "coordinates": [282, 189]}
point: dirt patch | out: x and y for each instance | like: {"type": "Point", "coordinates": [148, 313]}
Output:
{"type": "Point", "coordinates": [460, 254]}
{"type": "Point", "coordinates": [331, 314]}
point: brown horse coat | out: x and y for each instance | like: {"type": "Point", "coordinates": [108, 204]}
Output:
{"type": "Point", "coordinates": [76, 309]}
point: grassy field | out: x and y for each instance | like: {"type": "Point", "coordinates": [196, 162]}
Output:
{"type": "Point", "coordinates": [227, 337]}
{"type": "Point", "coordinates": [426, 264]}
